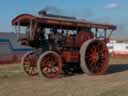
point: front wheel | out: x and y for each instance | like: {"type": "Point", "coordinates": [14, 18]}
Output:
{"type": "Point", "coordinates": [28, 62]}
{"type": "Point", "coordinates": [49, 64]}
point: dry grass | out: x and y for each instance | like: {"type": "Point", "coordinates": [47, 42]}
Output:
{"type": "Point", "coordinates": [10, 71]}
{"type": "Point", "coordinates": [113, 83]}
{"type": "Point", "coordinates": [117, 91]}
{"type": "Point", "coordinates": [119, 60]}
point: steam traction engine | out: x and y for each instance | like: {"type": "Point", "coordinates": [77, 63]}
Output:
{"type": "Point", "coordinates": [62, 44]}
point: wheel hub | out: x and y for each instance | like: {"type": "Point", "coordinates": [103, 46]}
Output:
{"type": "Point", "coordinates": [95, 57]}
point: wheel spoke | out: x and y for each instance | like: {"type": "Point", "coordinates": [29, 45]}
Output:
{"type": "Point", "coordinates": [44, 69]}
{"type": "Point", "coordinates": [32, 70]}
{"type": "Point", "coordinates": [43, 64]}
{"type": "Point", "coordinates": [54, 69]}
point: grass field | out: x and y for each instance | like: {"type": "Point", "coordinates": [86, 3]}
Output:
{"type": "Point", "coordinates": [113, 83]}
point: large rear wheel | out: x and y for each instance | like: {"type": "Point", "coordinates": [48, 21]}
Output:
{"type": "Point", "coordinates": [94, 57]}
{"type": "Point", "coordinates": [50, 64]}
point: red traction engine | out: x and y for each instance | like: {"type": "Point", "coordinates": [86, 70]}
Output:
{"type": "Point", "coordinates": [62, 44]}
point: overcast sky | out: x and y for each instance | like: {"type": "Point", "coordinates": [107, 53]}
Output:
{"type": "Point", "coordinates": [106, 11]}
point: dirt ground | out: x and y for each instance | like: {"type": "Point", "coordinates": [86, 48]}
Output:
{"type": "Point", "coordinates": [113, 83]}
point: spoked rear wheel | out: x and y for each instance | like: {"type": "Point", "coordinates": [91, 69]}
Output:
{"type": "Point", "coordinates": [94, 57]}
{"type": "Point", "coordinates": [29, 61]}
{"type": "Point", "coordinates": [50, 64]}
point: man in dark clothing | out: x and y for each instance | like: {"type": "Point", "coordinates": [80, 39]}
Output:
{"type": "Point", "coordinates": [43, 41]}
{"type": "Point", "coordinates": [55, 39]}
{"type": "Point", "coordinates": [52, 39]}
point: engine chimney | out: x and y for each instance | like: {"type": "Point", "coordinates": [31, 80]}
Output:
{"type": "Point", "coordinates": [42, 13]}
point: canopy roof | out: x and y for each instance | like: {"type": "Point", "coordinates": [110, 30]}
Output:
{"type": "Point", "coordinates": [25, 19]}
